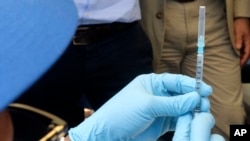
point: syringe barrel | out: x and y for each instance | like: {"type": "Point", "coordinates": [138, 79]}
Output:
{"type": "Point", "coordinates": [199, 72]}
{"type": "Point", "coordinates": [200, 52]}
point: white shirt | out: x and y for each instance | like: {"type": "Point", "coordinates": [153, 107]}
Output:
{"type": "Point", "coordinates": [107, 11]}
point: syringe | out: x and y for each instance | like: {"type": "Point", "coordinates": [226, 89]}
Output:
{"type": "Point", "coordinates": [200, 52]}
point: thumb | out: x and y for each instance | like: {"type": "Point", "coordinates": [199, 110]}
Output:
{"type": "Point", "coordinates": [204, 120]}
{"type": "Point", "coordinates": [216, 137]}
{"type": "Point", "coordinates": [173, 106]}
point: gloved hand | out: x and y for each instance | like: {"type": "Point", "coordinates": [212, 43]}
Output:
{"type": "Point", "coordinates": [196, 129]}
{"type": "Point", "coordinates": [143, 110]}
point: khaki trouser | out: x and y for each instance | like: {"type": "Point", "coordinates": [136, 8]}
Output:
{"type": "Point", "coordinates": [221, 64]}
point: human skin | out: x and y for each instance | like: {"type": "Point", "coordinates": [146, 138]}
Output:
{"type": "Point", "coordinates": [6, 127]}
{"type": "Point", "coordinates": [242, 38]}
{"type": "Point", "coordinates": [67, 138]}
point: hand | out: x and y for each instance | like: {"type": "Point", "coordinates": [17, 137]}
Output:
{"type": "Point", "coordinates": [144, 110]}
{"type": "Point", "coordinates": [242, 38]}
{"type": "Point", "coordinates": [197, 129]}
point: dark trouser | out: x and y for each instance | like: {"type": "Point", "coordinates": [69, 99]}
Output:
{"type": "Point", "coordinates": [245, 74]}
{"type": "Point", "coordinates": [97, 70]}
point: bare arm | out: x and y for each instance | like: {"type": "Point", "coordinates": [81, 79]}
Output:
{"type": "Point", "coordinates": [6, 128]}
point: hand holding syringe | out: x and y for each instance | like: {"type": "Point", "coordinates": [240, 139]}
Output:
{"type": "Point", "coordinates": [200, 52]}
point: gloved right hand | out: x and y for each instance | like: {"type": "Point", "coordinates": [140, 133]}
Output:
{"type": "Point", "coordinates": [143, 110]}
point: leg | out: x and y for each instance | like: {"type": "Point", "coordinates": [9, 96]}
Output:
{"type": "Point", "coordinates": [222, 72]}
{"type": "Point", "coordinates": [114, 62]}
{"type": "Point", "coordinates": [59, 91]}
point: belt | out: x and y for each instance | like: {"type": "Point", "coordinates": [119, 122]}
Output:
{"type": "Point", "coordinates": [183, 1]}
{"type": "Point", "coordinates": [89, 34]}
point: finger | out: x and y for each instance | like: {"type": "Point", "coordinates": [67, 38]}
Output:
{"type": "Point", "coordinates": [238, 40]}
{"type": "Point", "coordinates": [238, 36]}
{"type": "Point", "coordinates": [243, 59]}
{"type": "Point", "coordinates": [216, 137]}
{"type": "Point", "coordinates": [204, 120]}
{"type": "Point", "coordinates": [245, 52]}
{"type": "Point", "coordinates": [183, 127]}
{"type": "Point", "coordinates": [205, 105]}
{"type": "Point", "coordinates": [173, 106]}
{"type": "Point", "coordinates": [163, 84]}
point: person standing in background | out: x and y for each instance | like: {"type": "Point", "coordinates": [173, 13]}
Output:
{"type": "Point", "coordinates": [172, 26]}
{"type": "Point", "coordinates": [107, 51]}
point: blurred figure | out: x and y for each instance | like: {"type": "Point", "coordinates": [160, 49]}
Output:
{"type": "Point", "coordinates": [25, 56]}
{"type": "Point", "coordinates": [162, 98]}
{"type": "Point", "coordinates": [172, 28]}
{"type": "Point", "coordinates": [107, 51]}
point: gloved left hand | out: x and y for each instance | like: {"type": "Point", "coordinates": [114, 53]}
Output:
{"type": "Point", "coordinates": [196, 128]}
{"type": "Point", "coordinates": [144, 110]}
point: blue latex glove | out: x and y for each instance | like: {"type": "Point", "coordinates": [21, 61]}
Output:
{"type": "Point", "coordinates": [144, 110]}
{"type": "Point", "coordinates": [197, 129]}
